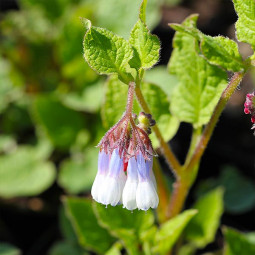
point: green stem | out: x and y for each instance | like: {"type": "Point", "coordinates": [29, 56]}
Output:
{"type": "Point", "coordinates": [167, 151]}
{"type": "Point", "coordinates": [180, 192]}
{"type": "Point", "coordinates": [196, 134]}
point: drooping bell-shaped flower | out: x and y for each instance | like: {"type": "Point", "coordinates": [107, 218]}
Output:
{"type": "Point", "coordinates": [113, 184]}
{"type": "Point", "coordinates": [103, 165]}
{"type": "Point", "coordinates": [146, 195]}
{"type": "Point", "coordinates": [129, 192]}
{"type": "Point", "coordinates": [126, 146]}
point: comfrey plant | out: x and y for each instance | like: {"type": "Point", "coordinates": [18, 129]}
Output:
{"type": "Point", "coordinates": [201, 65]}
{"type": "Point", "coordinates": [126, 147]}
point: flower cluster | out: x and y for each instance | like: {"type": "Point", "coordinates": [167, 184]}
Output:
{"type": "Point", "coordinates": [249, 107]}
{"type": "Point", "coordinates": [125, 159]}
{"type": "Point", "coordinates": [134, 188]}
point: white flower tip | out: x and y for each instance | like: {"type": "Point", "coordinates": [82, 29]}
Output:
{"type": "Point", "coordinates": [95, 190]}
{"type": "Point", "coordinates": [146, 196]}
{"type": "Point", "coordinates": [129, 195]}
{"type": "Point", "coordinates": [110, 192]}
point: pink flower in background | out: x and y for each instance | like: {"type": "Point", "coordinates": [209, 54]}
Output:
{"type": "Point", "coordinates": [249, 107]}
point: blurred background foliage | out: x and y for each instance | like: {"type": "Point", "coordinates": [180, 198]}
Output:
{"type": "Point", "coordinates": [53, 112]}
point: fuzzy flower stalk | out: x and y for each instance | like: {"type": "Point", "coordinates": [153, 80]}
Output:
{"type": "Point", "coordinates": [125, 159]}
{"type": "Point", "coordinates": [249, 107]}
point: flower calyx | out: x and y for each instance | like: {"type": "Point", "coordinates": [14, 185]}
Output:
{"type": "Point", "coordinates": [129, 138]}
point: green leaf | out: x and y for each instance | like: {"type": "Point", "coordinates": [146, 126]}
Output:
{"type": "Point", "coordinates": [8, 92]}
{"type": "Point", "coordinates": [223, 52]}
{"type": "Point", "coordinates": [245, 25]}
{"type": "Point", "coordinates": [7, 143]}
{"type": "Point", "coordinates": [142, 11]}
{"type": "Point", "coordinates": [66, 248]}
{"type": "Point", "coordinates": [114, 106]}
{"type": "Point", "coordinates": [115, 102]}
{"type": "Point", "coordinates": [89, 100]}
{"type": "Point", "coordinates": [115, 249]}
{"type": "Point", "coordinates": [237, 243]}
{"type": "Point", "coordinates": [148, 238]}
{"type": "Point", "coordinates": [106, 52]}
{"type": "Point", "coordinates": [188, 249]}
{"type": "Point", "coordinates": [124, 224]}
{"type": "Point", "coordinates": [60, 123]}
{"type": "Point", "coordinates": [78, 173]}
{"type": "Point", "coordinates": [200, 84]}
{"type": "Point", "coordinates": [84, 221]}
{"type": "Point", "coordinates": [159, 106]}
{"type": "Point", "coordinates": [53, 10]}
{"type": "Point", "coordinates": [202, 228]}
{"type": "Point", "coordinates": [219, 50]}
{"type": "Point", "coordinates": [145, 44]}
{"type": "Point", "coordinates": [170, 231]}
{"type": "Point", "coordinates": [125, 13]}
{"type": "Point", "coordinates": [239, 195]}
{"type": "Point", "coordinates": [25, 173]}
{"type": "Point", "coordinates": [160, 76]}
{"type": "Point", "coordinates": [7, 249]}
{"type": "Point", "coordinates": [66, 228]}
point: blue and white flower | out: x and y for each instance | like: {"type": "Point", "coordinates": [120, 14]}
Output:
{"type": "Point", "coordinates": [129, 192]}
{"type": "Point", "coordinates": [140, 190]}
{"type": "Point", "coordinates": [112, 187]}
{"type": "Point", "coordinates": [126, 146]}
{"type": "Point", "coordinates": [103, 165]}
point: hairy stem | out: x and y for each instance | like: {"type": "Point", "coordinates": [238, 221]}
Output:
{"type": "Point", "coordinates": [167, 151]}
{"type": "Point", "coordinates": [180, 191]}
{"type": "Point", "coordinates": [196, 134]}
{"type": "Point", "coordinates": [130, 98]}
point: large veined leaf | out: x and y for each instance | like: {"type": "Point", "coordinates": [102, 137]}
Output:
{"type": "Point", "coordinates": [124, 224]}
{"type": "Point", "coordinates": [200, 84]}
{"type": "Point", "coordinates": [245, 25]}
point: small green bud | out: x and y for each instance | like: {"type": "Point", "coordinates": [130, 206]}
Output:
{"type": "Point", "coordinates": [145, 122]}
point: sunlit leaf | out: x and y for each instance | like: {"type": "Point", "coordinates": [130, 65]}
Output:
{"type": "Point", "coordinates": [106, 52]}
{"type": "Point", "coordinates": [245, 25]}
{"type": "Point", "coordinates": [218, 50]}
{"type": "Point", "coordinates": [200, 84]}
{"type": "Point", "coordinates": [170, 231]}
{"type": "Point", "coordinates": [124, 224]}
